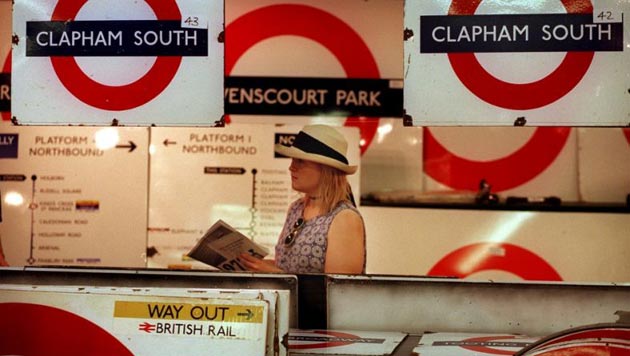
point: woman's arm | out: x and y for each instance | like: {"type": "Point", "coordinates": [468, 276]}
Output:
{"type": "Point", "coordinates": [346, 244]}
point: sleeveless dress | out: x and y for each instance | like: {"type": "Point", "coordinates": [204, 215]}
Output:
{"type": "Point", "coordinates": [308, 253]}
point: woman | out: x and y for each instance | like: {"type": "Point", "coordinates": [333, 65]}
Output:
{"type": "Point", "coordinates": [323, 231]}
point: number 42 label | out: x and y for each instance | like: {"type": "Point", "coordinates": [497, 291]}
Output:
{"type": "Point", "coordinates": [194, 21]}
{"type": "Point", "coordinates": [609, 10]}
{"type": "Point", "coordinates": [607, 16]}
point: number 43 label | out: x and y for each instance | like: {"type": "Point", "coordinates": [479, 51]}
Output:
{"type": "Point", "coordinates": [194, 21]}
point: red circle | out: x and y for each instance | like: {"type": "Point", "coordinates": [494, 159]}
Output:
{"type": "Point", "coordinates": [326, 344]}
{"type": "Point", "coordinates": [474, 258]}
{"type": "Point", "coordinates": [312, 23]}
{"type": "Point", "coordinates": [626, 132]}
{"type": "Point", "coordinates": [33, 329]}
{"type": "Point", "coordinates": [520, 96]}
{"type": "Point", "coordinates": [504, 173]}
{"type": "Point", "coordinates": [606, 333]}
{"type": "Point", "coordinates": [6, 68]}
{"type": "Point", "coordinates": [586, 348]}
{"type": "Point", "coordinates": [486, 349]}
{"type": "Point", "coordinates": [123, 97]}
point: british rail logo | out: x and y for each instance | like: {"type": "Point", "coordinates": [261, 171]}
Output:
{"type": "Point", "coordinates": [186, 329]}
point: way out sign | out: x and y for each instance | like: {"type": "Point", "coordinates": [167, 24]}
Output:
{"type": "Point", "coordinates": [532, 63]}
{"type": "Point", "coordinates": [139, 62]}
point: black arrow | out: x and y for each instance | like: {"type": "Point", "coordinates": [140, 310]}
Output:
{"type": "Point", "coordinates": [167, 142]}
{"type": "Point", "coordinates": [131, 146]}
{"type": "Point", "coordinates": [249, 314]}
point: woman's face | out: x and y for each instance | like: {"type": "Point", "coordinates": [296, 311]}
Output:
{"type": "Point", "coordinates": [305, 176]}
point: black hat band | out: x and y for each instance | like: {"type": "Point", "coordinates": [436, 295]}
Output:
{"type": "Point", "coordinates": [307, 143]}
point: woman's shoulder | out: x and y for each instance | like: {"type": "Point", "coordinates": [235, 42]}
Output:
{"type": "Point", "coordinates": [345, 211]}
{"type": "Point", "coordinates": [345, 206]}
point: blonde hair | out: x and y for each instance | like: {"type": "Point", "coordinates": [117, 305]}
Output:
{"type": "Point", "coordinates": [334, 188]}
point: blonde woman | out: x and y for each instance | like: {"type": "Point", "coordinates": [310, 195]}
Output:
{"type": "Point", "coordinates": [323, 231]}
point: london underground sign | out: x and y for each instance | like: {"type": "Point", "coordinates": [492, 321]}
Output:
{"type": "Point", "coordinates": [477, 257]}
{"type": "Point", "coordinates": [153, 62]}
{"type": "Point", "coordinates": [462, 344]}
{"type": "Point", "coordinates": [343, 342]}
{"type": "Point", "coordinates": [556, 64]}
{"type": "Point", "coordinates": [310, 23]}
{"type": "Point", "coordinates": [18, 336]}
{"type": "Point", "coordinates": [507, 172]}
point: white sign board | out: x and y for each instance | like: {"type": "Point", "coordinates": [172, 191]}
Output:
{"type": "Point", "coordinates": [138, 62]}
{"type": "Point", "coordinates": [124, 323]}
{"type": "Point", "coordinates": [499, 245]}
{"type": "Point", "coordinates": [529, 63]}
{"type": "Point", "coordinates": [74, 196]}
{"type": "Point", "coordinates": [343, 342]}
{"type": "Point", "coordinates": [465, 344]}
{"type": "Point", "coordinates": [200, 175]}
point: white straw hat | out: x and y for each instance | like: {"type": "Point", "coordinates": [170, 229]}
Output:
{"type": "Point", "coordinates": [322, 144]}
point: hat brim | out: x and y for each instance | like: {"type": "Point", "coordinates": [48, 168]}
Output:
{"type": "Point", "coordinates": [293, 152]}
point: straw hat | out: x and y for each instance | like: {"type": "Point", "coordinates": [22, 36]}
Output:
{"type": "Point", "coordinates": [322, 144]}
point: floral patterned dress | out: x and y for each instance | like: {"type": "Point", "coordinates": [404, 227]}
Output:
{"type": "Point", "coordinates": [308, 253]}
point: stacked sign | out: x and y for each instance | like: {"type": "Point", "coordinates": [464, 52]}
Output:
{"type": "Point", "coordinates": [69, 59]}
{"type": "Point", "coordinates": [530, 64]}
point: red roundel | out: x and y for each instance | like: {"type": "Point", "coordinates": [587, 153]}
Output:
{"type": "Point", "coordinates": [326, 344]}
{"type": "Point", "coordinates": [520, 96]}
{"type": "Point", "coordinates": [504, 173]}
{"type": "Point", "coordinates": [123, 97]}
{"type": "Point", "coordinates": [320, 26]}
{"type": "Point", "coordinates": [489, 350]}
{"type": "Point", "coordinates": [514, 259]}
{"type": "Point", "coordinates": [33, 329]}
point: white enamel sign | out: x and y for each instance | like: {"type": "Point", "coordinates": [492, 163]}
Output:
{"type": "Point", "coordinates": [108, 321]}
{"type": "Point", "coordinates": [343, 342]}
{"type": "Point", "coordinates": [469, 344]}
{"type": "Point", "coordinates": [529, 63]}
{"type": "Point", "coordinates": [137, 62]}
{"type": "Point", "coordinates": [70, 196]}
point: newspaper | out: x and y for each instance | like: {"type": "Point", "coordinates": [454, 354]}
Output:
{"type": "Point", "coordinates": [222, 245]}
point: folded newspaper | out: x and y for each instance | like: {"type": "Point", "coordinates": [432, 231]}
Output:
{"type": "Point", "coordinates": [222, 245]}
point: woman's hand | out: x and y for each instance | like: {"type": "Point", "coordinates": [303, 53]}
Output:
{"type": "Point", "coordinates": [255, 264]}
